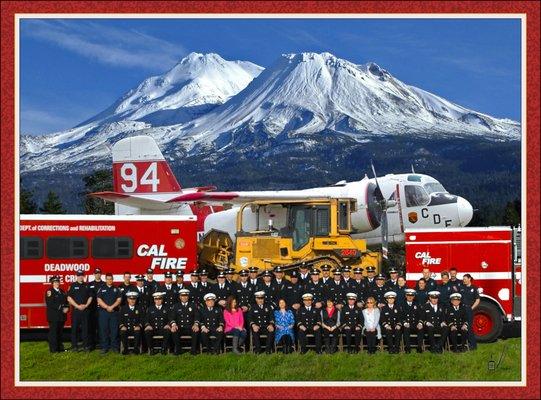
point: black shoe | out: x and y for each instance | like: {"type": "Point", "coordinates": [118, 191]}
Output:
{"type": "Point", "coordinates": [125, 352]}
{"type": "Point", "coordinates": [419, 350]}
{"type": "Point", "coordinates": [163, 351]}
{"type": "Point", "coordinates": [136, 351]}
{"type": "Point", "coordinates": [408, 351]}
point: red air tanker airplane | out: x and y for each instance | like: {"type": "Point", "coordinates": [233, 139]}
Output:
{"type": "Point", "coordinates": [386, 205]}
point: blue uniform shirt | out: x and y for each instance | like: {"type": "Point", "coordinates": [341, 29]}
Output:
{"type": "Point", "coordinates": [109, 294]}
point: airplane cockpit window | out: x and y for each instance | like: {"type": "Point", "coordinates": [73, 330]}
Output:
{"type": "Point", "coordinates": [416, 196]}
{"type": "Point", "coordinates": [434, 187]}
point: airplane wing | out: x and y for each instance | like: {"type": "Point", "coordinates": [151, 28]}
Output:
{"type": "Point", "coordinates": [243, 197]}
{"type": "Point", "coordinates": [133, 200]}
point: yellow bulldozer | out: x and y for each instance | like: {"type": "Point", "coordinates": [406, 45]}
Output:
{"type": "Point", "coordinates": [313, 232]}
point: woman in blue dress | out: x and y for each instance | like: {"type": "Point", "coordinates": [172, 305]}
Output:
{"type": "Point", "coordinates": [284, 321]}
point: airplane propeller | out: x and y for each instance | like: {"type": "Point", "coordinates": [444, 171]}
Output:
{"type": "Point", "coordinates": [384, 205]}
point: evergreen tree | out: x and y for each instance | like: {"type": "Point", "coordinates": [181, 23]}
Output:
{"type": "Point", "coordinates": [52, 204]}
{"type": "Point", "coordinates": [27, 202]}
{"type": "Point", "coordinates": [98, 181]}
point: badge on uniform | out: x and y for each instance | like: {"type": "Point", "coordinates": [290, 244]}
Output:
{"type": "Point", "coordinates": [49, 293]}
{"type": "Point", "coordinates": [136, 311]}
{"type": "Point", "coordinates": [190, 309]}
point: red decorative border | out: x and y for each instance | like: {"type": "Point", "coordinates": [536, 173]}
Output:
{"type": "Point", "coordinates": [9, 9]}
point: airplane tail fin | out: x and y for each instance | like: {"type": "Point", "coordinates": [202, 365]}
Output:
{"type": "Point", "coordinates": [139, 167]}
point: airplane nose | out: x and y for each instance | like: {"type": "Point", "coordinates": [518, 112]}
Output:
{"type": "Point", "coordinates": [465, 211]}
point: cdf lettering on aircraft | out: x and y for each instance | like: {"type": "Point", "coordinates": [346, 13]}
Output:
{"type": "Point", "coordinates": [387, 205]}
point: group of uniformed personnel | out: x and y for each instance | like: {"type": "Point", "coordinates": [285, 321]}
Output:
{"type": "Point", "coordinates": [325, 304]}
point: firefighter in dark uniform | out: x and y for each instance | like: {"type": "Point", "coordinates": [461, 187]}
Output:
{"type": "Point", "coordinates": [325, 275]}
{"type": "Point", "coordinates": [359, 286]}
{"type": "Point", "coordinates": [93, 317]}
{"type": "Point", "coordinates": [400, 291]}
{"type": "Point", "coordinates": [335, 289]}
{"type": "Point", "coordinates": [143, 297]}
{"type": "Point", "coordinates": [456, 317]}
{"type": "Point", "coordinates": [433, 319]}
{"type": "Point", "coordinates": [445, 289]}
{"type": "Point", "coordinates": [152, 285]}
{"type": "Point", "coordinates": [193, 287]}
{"type": "Point", "coordinates": [308, 321]}
{"type": "Point", "coordinates": [261, 319]}
{"type": "Point", "coordinates": [346, 279]}
{"type": "Point", "coordinates": [229, 281]}
{"type": "Point", "coordinates": [370, 281]}
{"type": "Point", "coordinates": [109, 298]}
{"type": "Point", "coordinates": [204, 287]}
{"type": "Point", "coordinates": [157, 324]}
{"type": "Point", "coordinates": [392, 283]}
{"type": "Point", "coordinates": [126, 286]}
{"type": "Point", "coordinates": [304, 274]}
{"type": "Point", "coordinates": [454, 281]}
{"type": "Point", "coordinates": [211, 323]}
{"type": "Point", "coordinates": [470, 299]}
{"type": "Point", "coordinates": [183, 319]}
{"type": "Point", "coordinates": [179, 284]}
{"type": "Point", "coordinates": [391, 323]}
{"type": "Point", "coordinates": [80, 298]}
{"type": "Point", "coordinates": [421, 292]}
{"type": "Point", "coordinates": [352, 323]}
{"type": "Point", "coordinates": [268, 287]}
{"type": "Point", "coordinates": [253, 278]}
{"type": "Point", "coordinates": [409, 317]}
{"type": "Point", "coordinates": [378, 290]}
{"type": "Point", "coordinates": [280, 285]}
{"type": "Point", "coordinates": [431, 284]}
{"type": "Point", "coordinates": [169, 290]}
{"type": "Point", "coordinates": [57, 308]}
{"type": "Point", "coordinates": [315, 288]}
{"type": "Point", "coordinates": [330, 325]}
{"type": "Point", "coordinates": [294, 291]}
{"type": "Point", "coordinates": [243, 291]}
{"type": "Point", "coordinates": [131, 322]}
{"type": "Point", "coordinates": [222, 290]}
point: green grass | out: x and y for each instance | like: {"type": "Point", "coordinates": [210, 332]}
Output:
{"type": "Point", "coordinates": [37, 364]}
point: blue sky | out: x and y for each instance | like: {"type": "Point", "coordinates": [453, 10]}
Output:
{"type": "Point", "coordinates": [73, 69]}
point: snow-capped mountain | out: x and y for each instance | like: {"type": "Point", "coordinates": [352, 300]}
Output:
{"type": "Point", "coordinates": [194, 86]}
{"type": "Point", "coordinates": [206, 105]}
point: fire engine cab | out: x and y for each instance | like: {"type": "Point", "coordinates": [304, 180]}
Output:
{"type": "Point", "coordinates": [491, 255]}
{"type": "Point", "coordinates": [63, 244]}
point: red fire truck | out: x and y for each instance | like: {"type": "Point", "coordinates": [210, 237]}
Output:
{"type": "Point", "coordinates": [63, 244]}
{"type": "Point", "coordinates": [491, 255]}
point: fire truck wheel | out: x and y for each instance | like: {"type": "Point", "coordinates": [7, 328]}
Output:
{"type": "Point", "coordinates": [487, 322]}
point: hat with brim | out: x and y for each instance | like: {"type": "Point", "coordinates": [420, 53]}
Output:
{"type": "Point", "coordinates": [132, 295]}
{"type": "Point", "coordinates": [389, 294]}
{"type": "Point", "coordinates": [184, 292]}
{"type": "Point", "coordinates": [433, 293]}
{"type": "Point", "coordinates": [351, 296]}
{"type": "Point", "coordinates": [209, 296]}
{"type": "Point", "coordinates": [158, 295]}
{"type": "Point", "coordinates": [410, 292]}
{"type": "Point", "coordinates": [314, 272]}
{"type": "Point", "coordinates": [455, 296]}
{"type": "Point", "coordinates": [259, 294]}
{"type": "Point", "coordinates": [307, 296]}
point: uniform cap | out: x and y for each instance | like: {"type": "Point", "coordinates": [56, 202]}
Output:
{"type": "Point", "coordinates": [410, 291]}
{"type": "Point", "coordinates": [455, 296]}
{"type": "Point", "coordinates": [380, 276]}
{"type": "Point", "coordinates": [80, 273]}
{"type": "Point", "coordinates": [194, 273]}
{"type": "Point", "coordinates": [389, 294]}
{"type": "Point", "coordinates": [307, 296]}
{"type": "Point", "coordinates": [357, 270]}
{"type": "Point", "coordinates": [351, 296]}
{"type": "Point", "coordinates": [209, 296]}
{"type": "Point", "coordinates": [139, 278]}
{"type": "Point", "coordinates": [294, 274]}
{"type": "Point", "coordinates": [336, 271]}
{"type": "Point", "coordinates": [267, 273]}
{"type": "Point", "coordinates": [243, 272]}
{"type": "Point", "coordinates": [97, 271]}
{"type": "Point", "coordinates": [54, 278]}
{"type": "Point", "coordinates": [168, 274]}
{"type": "Point", "coordinates": [150, 271]}
{"type": "Point", "coordinates": [393, 270]}
{"type": "Point", "coordinates": [253, 269]}
{"type": "Point", "coordinates": [278, 269]}
{"type": "Point", "coordinates": [434, 293]}
{"type": "Point", "coordinates": [221, 275]}
{"type": "Point", "coordinates": [346, 269]}
{"type": "Point", "coordinates": [183, 291]}
{"type": "Point", "coordinates": [229, 271]}
{"type": "Point", "coordinates": [158, 295]}
{"type": "Point", "coordinates": [303, 266]}
{"type": "Point", "coordinates": [370, 268]}
{"type": "Point", "coordinates": [132, 295]}
{"type": "Point", "coordinates": [314, 272]}
{"type": "Point", "coordinates": [260, 293]}
{"type": "Point", "coordinates": [203, 272]}
{"type": "Point", "coordinates": [326, 268]}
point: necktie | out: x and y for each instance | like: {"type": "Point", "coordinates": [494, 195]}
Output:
{"type": "Point", "coordinates": [131, 308]}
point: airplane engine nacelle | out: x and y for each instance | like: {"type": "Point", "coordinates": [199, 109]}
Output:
{"type": "Point", "coordinates": [368, 214]}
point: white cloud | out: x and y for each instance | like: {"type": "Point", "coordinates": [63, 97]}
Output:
{"type": "Point", "coordinates": [106, 44]}
{"type": "Point", "coordinates": [37, 122]}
